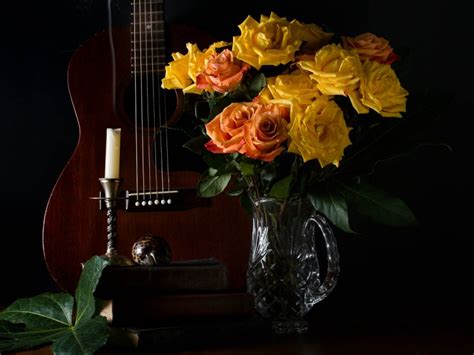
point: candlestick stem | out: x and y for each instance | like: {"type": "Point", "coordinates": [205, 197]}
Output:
{"type": "Point", "coordinates": [111, 188]}
{"type": "Point", "coordinates": [111, 232]}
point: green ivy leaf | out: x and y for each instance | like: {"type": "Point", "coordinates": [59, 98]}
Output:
{"type": "Point", "coordinates": [47, 310]}
{"type": "Point", "coordinates": [378, 205]}
{"type": "Point", "coordinates": [281, 189]}
{"type": "Point", "coordinates": [333, 205]}
{"type": "Point", "coordinates": [90, 276]}
{"type": "Point", "coordinates": [210, 186]}
{"type": "Point", "coordinates": [47, 318]}
{"type": "Point", "coordinates": [85, 338]}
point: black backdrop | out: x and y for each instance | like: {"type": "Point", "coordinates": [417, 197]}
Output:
{"type": "Point", "coordinates": [392, 274]}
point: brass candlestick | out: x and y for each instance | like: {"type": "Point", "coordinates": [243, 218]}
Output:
{"type": "Point", "coordinates": [111, 188]}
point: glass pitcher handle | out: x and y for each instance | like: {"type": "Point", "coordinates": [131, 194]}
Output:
{"type": "Point", "coordinates": [332, 256]}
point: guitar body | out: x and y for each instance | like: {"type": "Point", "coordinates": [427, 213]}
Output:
{"type": "Point", "coordinates": [75, 229]}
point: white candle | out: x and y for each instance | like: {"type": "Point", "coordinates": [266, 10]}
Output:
{"type": "Point", "coordinates": [112, 153]}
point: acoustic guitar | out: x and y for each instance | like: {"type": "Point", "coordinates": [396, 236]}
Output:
{"type": "Point", "coordinates": [114, 82]}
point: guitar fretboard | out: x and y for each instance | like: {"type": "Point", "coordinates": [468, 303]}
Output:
{"type": "Point", "coordinates": [147, 37]}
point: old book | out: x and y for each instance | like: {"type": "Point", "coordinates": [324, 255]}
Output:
{"type": "Point", "coordinates": [151, 310]}
{"type": "Point", "coordinates": [191, 334]}
{"type": "Point", "coordinates": [203, 275]}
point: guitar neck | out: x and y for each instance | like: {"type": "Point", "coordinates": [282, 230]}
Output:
{"type": "Point", "coordinates": [147, 37]}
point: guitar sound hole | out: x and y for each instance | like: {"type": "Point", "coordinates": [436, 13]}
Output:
{"type": "Point", "coordinates": [149, 108]}
{"type": "Point", "coordinates": [149, 102]}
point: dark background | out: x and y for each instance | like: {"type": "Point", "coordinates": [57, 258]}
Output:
{"type": "Point", "coordinates": [391, 276]}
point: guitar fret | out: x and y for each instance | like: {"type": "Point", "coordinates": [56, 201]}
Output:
{"type": "Point", "coordinates": [149, 40]}
{"type": "Point", "coordinates": [159, 12]}
{"type": "Point", "coordinates": [144, 23]}
{"type": "Point", "coordinates": [146, 61]}
{"type": "Point", "coordinates": [148, 25]}
{"type": "Point", "coordinates": [145, 65]}
{"type": "Point", "coordinates": [159, 71]}
{"type": "Point", "coordinates": [145, 32]}
{"type": "Point", "coordinates": [150, 2]}
{"type": "Point", "coordinates": [148, 49]}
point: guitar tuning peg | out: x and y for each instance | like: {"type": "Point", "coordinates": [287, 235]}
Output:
{"type": "Point", "coordinates": [151, 250]}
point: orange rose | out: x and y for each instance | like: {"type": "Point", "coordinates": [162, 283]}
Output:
{"type": "Point", "coordinates": [266, 132]}
{"type": "Point", "coordinates": [223, 72]}
{"type": "Point", "coordinates": [227, 128]}
{"type": "Point", "coordinates": [371, 47]}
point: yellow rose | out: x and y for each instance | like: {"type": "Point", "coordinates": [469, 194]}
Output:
{"type": "Point", "coordinates": [181, 73]}
{"type": "Point", "coordinates": [176, 73]}
{"type": "Point", "coordinates": [288, 88]}
{"type": "Point", "coordinates": [318, 131]}
{"type": "Point", "coordinates": [380, 90]}
{"type": "Point", "coordinates": [270, 42]}
{"type": "Point", "coordinates": [337, 72]}
{"type": "Point", "coordinates": [311, 34]}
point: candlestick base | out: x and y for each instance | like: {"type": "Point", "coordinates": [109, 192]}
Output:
{"type": "Point", "coordinates": [118, 260]}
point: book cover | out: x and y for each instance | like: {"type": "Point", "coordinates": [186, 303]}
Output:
{"type": "Point", "coordinates": [151, 310]}
{"type": "Point", "coordinates": [191, 334]}
{"type": "Point", "coordinates": [206, 275]}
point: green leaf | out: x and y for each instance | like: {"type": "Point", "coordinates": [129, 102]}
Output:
{"type": "Point", "coordinates": [196, 145]}
{"type": "Point", "coordinates": [257, 84]}
{"type": "Point", "coordinates": [378, 205]}
{"type": "Point", "coordinates": [85, 290]}
{"type": "Point", "coordinates": [211, 172]}
{"type": "Point", "coordinates": [85, 338]}
{"type": "Point", "coordinates": [216, 161]}
{"type": "Point", "coordinates": [218, 103]}
{"type": "Point", "coordinates": [281, 189]}
{"type": "Point", "coordinates": [333, 205]}
{"type": "Point", "coordinates": [7, 334]}
{"type": "Point", "coordinates": [238, 188]}
{"type": "Point", "coordinates": [16, 338]}
{"type": "Point", "coordinates": [247, 168]}
{"type": "Point", "coordinates": [46, 310]}
{"type": "Point", "coordinates": [268, 173]}
{"type": "Point", "coordinates": [237, 191]}
{"type": "Point", "coordinates": [47, 318]}
{"type": "Point", "coordinates": [210, 186]}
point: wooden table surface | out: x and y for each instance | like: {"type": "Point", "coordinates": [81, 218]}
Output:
{"type": "Point", "coordinates": [356, 337]}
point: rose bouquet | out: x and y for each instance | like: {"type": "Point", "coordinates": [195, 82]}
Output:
{"type": "Point", "coordinates": [287, 110]}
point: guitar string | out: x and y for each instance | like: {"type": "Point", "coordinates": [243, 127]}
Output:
{"type": "Point", "coordinates": [153, 102]}
{"type": "Point", "coordinates": [166, 126]}
{"type": "Point", "coordinates": [134, 61]}
{"type": "Point", "coordinates": [159, 108]}
{"type": "Point", "coordinates": [163, 122]}
{"type": "Point", "coordinates": [148, 27]}
{"type": "Point", "coordinates": [112, 53]}
{"type": "Point", "coordinates": [140, 26]}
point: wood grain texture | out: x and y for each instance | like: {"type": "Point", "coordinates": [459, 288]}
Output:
{"type": "Point", "coordinates": [74, 229]}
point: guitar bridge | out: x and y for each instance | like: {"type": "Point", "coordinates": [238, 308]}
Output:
{"type": "Point", "coordinates": [154, 201]}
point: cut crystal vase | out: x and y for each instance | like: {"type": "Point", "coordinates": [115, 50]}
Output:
{"type": "Point", "coordinates": [284, 272]}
